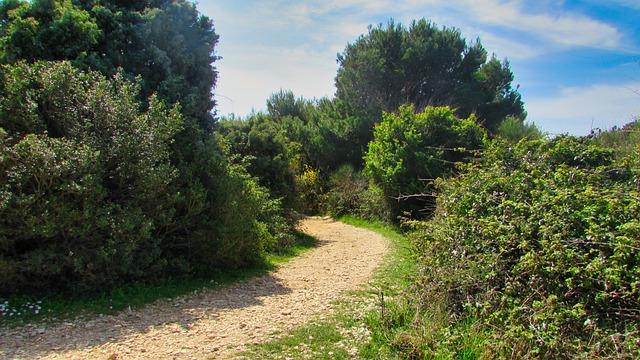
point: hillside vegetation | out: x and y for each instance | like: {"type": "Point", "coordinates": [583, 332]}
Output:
{"type": "Point", "coordinates": [115, 169]}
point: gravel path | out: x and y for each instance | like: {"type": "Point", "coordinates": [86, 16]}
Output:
{"type": "Point", "coordinates": [217, 323]}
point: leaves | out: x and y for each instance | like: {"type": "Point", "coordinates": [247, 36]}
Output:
{"type": "Point", "coordinates": [542, 235]}
{"type": "Point", "coordinates": [409, 147]}
{"type": "Point", "coordinates": [424, 65]}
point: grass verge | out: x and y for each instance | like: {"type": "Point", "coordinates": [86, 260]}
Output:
{"type": "Point", "coordinates": [355, 329]}
{"type": "Point", "coordinates": [21, 310]}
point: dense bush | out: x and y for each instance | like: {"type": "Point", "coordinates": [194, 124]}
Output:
{"type": "Point", "coordinates": [514, 129]}
{"type": "Point", "coordinates": [309, 190]}
{"type": "Point", "coordinates": [410, 149]}
{"type": "Point", "coordinates": [228, 220]}
{"type": "Point", "coordinates": [268, 150]}
{"type": "Point", "coordinates": [295, 146]}
{"type": "Point", "coordinates": [84, 176]}
{"type": "Point", "coordinates": [625, 141]}
{"type": "Point", "coordinates": [350, 193]}
{"type": "Point", "coordinates": [169, 44]}
{"type": "Point", "coordinates": [538, 243]}
{"type": "Point", "coordinates": [89, 197]}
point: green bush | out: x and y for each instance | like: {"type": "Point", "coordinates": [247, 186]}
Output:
{"type": "Point", "coordinates": [514, 129]}
{"type": "Point", "coordinates": [235, 220]}
{"type": "Point", "coordinates": [625, 141]}
{"type": "Point", "coordinates": [168, 44]}
{"type": "Point", "coordinates": [85, 179]}
{"type": "Point", "coordinates": [346, 186]}
{"type": "Point", "coordinates": [350, 193]}
{"type": "Point", "coordinates": [271, 156]}
{"type": "Point", "coordinates": [89, 197]}
{"type": "Point", "coordinates": [539, 243]}
{"type": "Point", "coordinates": [309, 190]}
{"type": "Point", "coordinates": [410, 149]}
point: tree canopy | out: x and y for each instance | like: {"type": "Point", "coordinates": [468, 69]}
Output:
{"type": "Point", "coordinates": [168, 44]}
{"type": "Point", "coordinates": [424, 65]}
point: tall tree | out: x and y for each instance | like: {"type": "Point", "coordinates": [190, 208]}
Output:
{"type": "Point", "coordinates": [424, 65]}
{"type": "Point", "coordinates": [168, 43]}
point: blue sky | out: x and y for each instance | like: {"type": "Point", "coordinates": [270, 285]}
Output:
{"type": "Point", "coordinates": [577, 62]}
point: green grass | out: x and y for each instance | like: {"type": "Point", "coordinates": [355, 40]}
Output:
{"type": "Point", "coordinates": [362, 328]}
{"type": "Point", "coordinates": [303, 243]}
{"type": "Point", "coordinates": [134, 295]}
{"type": "Point", "coordinates": [313, 341]}
{"type": "Point", "coordinates": [399, 265]}
{"type": "Point", "coordinates": [350, 331]}
{"type": "Point", "coordinates": [396, 335]}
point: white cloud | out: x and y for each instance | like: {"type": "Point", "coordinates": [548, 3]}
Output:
{"type": "Point", "coordinates": [267, 45]}
{"type": "Point", "coordinates": [247, 81]}
{"type": "Point", "coordinates": [579, 109]}
{"type": "Point", "coordinates": [561, 29]}
{"type": "Point", "coordinates": [564, 29]}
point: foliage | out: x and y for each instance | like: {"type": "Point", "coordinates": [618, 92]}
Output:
{"type": "Point", "coordinates": [295, 135]}
{"type": "Point", "coordinates": [89, 198]}
{"type": "Point", "coordinates": [538, 242]}
{"type": "Point", "coordinates": [345, 186]}
{"type": "Point", "coordinates": [85, 179]}
{"type": "Point", "coordinates": [271, 156]}
{"type": "Point", "coordinates": [514, 129]}
{"type": "Point", "coordinates": [167, 43]}
{"type": "Point", "coordinates": [310, 188]}
{"type": "Point", "coordinates": [350, 193]}
{"type": "Point", "coordinates": [425, 66]}
{"type": "Point", "coordinates": [339, 137]}
{"type": "Point", "coordinates": [410, 147]}
{"type": "Point", "coordinates": [625, 141]}
{"type": "Point", "coordinates": [284, 103]}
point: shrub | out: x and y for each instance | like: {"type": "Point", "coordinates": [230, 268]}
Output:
{"type": "Point", "coordinates": [271, 157]}
{"type": "Point", "coordinates": [373, 205]}
{"type": "Point", "coordinates": [350, 193]}
{"type": "Point", "coordinates": [409, 148]}
{"type": "Point", "coordinates": [346, 186]}
{"type": "Point", "coordinates": [89, 197]}
{"type": "Point", "coordinates": [234, 220]}
{"type": "Point", "coordinates": [538, 242]}
{"type": "Point", "coordinates": [85, 179]}
{"type": "Point", "coordinates": [309, 188]}
{"type": "Point", "coordinates": [514, 129]}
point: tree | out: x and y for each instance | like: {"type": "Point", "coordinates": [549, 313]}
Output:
{"type": "Point", "coordinates": [269, 152]}
{"type": "Point", "coordinates": [409, 148]}
{"type": "Point", "coordinates": [424, 66]}
{"type": "Point", "coordinates": [169, 44]}
{"type": "Point", "coordinates": [284, 103]}
{"type": "Point", "coordinates": [91, 163]}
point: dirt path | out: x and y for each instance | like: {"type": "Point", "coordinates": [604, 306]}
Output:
{"type": "Point", "coordinates": [217, 323]}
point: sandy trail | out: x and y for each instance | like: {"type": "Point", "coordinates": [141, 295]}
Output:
{"type": "Point", "coordinates": [217, 323]}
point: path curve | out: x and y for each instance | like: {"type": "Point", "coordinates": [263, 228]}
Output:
{"type": "Point", "coordinates": [217, 323]}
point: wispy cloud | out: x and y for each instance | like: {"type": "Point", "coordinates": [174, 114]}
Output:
{"type": "Point", "coordinates": [246, 81]}
{"type": "Point", "coordinates": [554, 26]}
{"type": "Point", "coordinates": [560, 28]}
{"type": "Point", "coordinates": [579, 109]}
{"type": "Point", "coordinates": [272, 44]}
